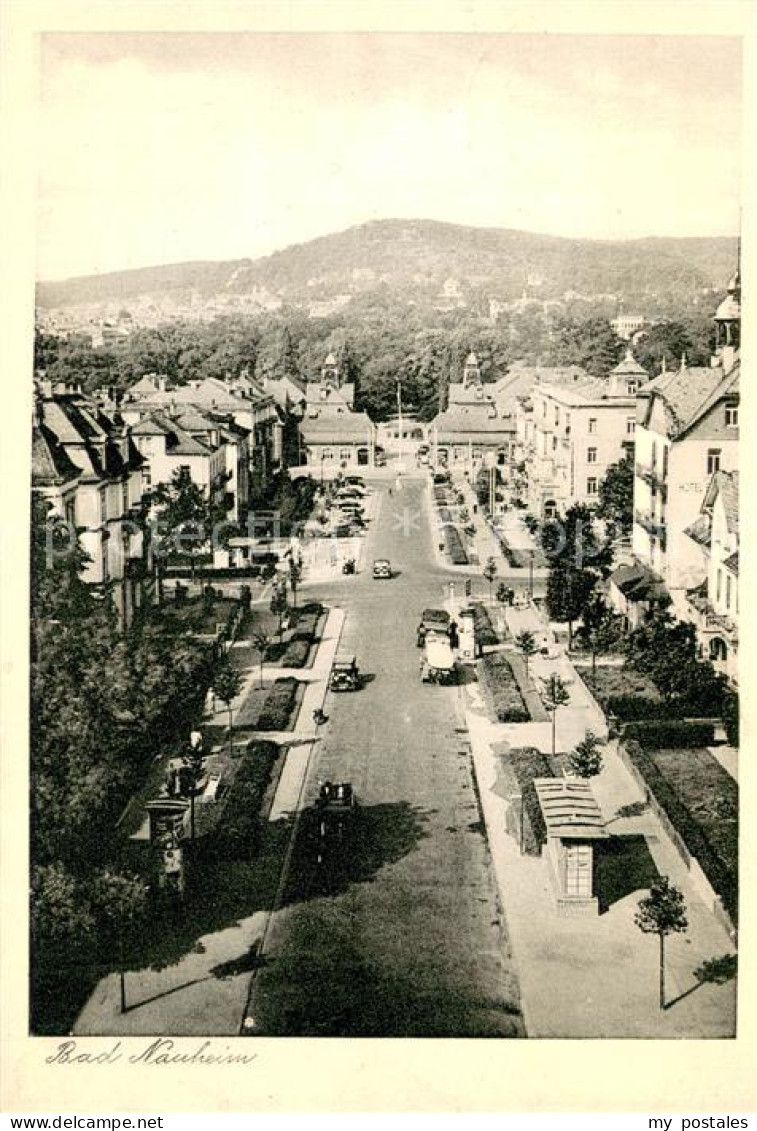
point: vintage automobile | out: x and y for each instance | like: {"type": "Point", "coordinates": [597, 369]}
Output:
{"type": "Point", "coordinates": [345, 675]}
{"type": "Point", "coordinates": [335, 808]}
{"type": "Point", "coordinates": [432, 620]}
{"type": "Point", "coordinates": [438, 663]}
{"type": "Point", "coordinates": [382, 569]}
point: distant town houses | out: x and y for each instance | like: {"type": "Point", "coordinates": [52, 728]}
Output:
{"type": "Point", "coordinates": [472, 431]}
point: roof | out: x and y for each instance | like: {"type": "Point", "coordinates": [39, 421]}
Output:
{"type": "Point", "coordinates": [569, 809]}
{"type": "Point", "coordinates": [349, 427]}
{"type": "Point", "coordinates": [629, 366]}
{"type": "Point", "coordinates": [700, 531]}
{"type": "Point", "coordinates": [726, 485]}
{"type": "Point", "coordinates": [51, 465]}
{"type": "Point", "coordinates": [637, 582]}
{"type": "Point", "coordinates": [474, 424]}
{"type": "Point", "coordinates": [732, 562]}
{"type": "Point", "coordinates": [729, 310]}
{"type": "Point", "coordinates": [689, 393]}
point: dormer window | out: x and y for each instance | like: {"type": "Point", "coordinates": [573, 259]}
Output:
{"type": "Point", "coordinates": [632, 386]}
{"type": "Point", "coordinates": [324, 394]}
{"type": "Point", "coordinates": [732, 415]}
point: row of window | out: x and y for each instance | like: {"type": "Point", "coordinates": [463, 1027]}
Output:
{"type": "Point", "coordinates": [729, 588]}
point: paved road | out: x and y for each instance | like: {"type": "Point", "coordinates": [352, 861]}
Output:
{"type": "Point", "coordinates": [401, 933]}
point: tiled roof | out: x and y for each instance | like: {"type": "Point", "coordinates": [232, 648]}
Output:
{"type": "Point", "coordinates": [194, 421]}
{"type": "Point", "coordinates": [51, 465]}
{"type": "Point", "coordinates": [732, 562]}
{"type": "Point", "coordinates": [725, 484]}
{"type": "Point", "coordinates": [688, 393]}
{"type": "Point", "coordinates": [350, 427]}
{"type": "Point", "coordinates": [629, 366]}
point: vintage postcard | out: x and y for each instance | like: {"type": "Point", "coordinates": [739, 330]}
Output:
{"type": "Point", "coordinates": [379, 449]}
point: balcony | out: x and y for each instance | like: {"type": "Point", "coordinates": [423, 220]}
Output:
{"type": "Point", "coordinates": [653, 477]}
{"type": "Point", "coordinates": [654, 525]}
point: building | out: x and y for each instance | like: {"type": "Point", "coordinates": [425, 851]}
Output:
{"type": "Point", "coordinates": [471, 432]}
{"type": "Point", "coordinates": [239, 400]}
{"type": "Point", "coordinates": [573, 431]}
{"type": "Point", "coordinates": [167, 447]}
{"type": "Point", "coordinates": [714, 602]}
{"type": "Point", "coordinates": [87, 467]}
{"type": "Point", "coordinates": [626, 325]}
{"type": "Point", "coordinates": [687, 430]}
{"type": "Point", "coordinates": [333, 436]}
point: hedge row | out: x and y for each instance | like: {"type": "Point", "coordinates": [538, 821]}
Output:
{"type": "Point", "coordinates": [238, 833]}
{"type": "Point", "coordinates": [503, 688]}
{"type": "Point", "coordinates": [279, 705]}
{"type": "Point", "coordinates": [484, 628]}
{"type": "Point", "coordinates": [633, 707]}
{"type": "Point", "coordinates": [527, 763]}
{"type": "Point", "coordinates": [723, 879]}
{"type": "Point", "coordinates": [453, 545]}
{"type": "Point", "coordinates": [673, 733]}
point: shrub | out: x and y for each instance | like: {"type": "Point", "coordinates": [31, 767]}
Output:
{"type": "Point", "coordinates": [672, 733]}
{"type": "Point", "coordinates": [731, 717]}
{"type": "Point", "coordinates": [723, 878]}
{"type": "Point", "coordinates": [279, 704]}
{"type": "Point", "coordinates": [503, 689]}
{"type": "Point", "coordinates": [483, 626]}
{"type": "Point", "coordinates": [454, 546]}
{"type": "Point", "coordinates": [295, 654]}
{"type": "Point", "coordinates": [524, 764]}
{"type": "Point", "coordinates": [239, 831]}
{"type": "Point", "coordinates": [632, 707]}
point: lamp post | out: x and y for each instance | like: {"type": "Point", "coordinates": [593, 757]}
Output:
{"type": "Point", "coordinates": [323, 456]}
{"type": "Point", "coordinates": [399, 421]}
{"type": "Point", "coordinates": [531, 574]}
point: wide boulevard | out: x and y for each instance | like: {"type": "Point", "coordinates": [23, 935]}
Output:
{"type": "Point", "coordinates": [397, 932]}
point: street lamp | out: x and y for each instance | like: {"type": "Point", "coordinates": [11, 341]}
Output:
{"type": "Point", "coordinates": [323, 456]}
{"type": "Point", "coordinates": [531, 574]}
{"type": "Point", "coordinates": [399, 420]}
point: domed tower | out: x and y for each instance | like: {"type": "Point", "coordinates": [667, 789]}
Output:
{"type": "Point", "coordinates": [330, 372]}
{"type": "Point", "coordinates": [471, 371]}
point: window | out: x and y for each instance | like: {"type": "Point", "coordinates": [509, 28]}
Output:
{"type": "Point", "coordinates": [654, 453]}
{"type": "Point", "coordinates": [146, 475]}
{"type": "Point", "coordinates": [630, 425]}
{"type": "Point", "coordinates": [591, 455]}
{"type": "Point", "coordinates": [732, 415]}
{"type": "Point", "coordinates": [567, 424]}
{"type": "Point", "coordinates": [664, 463]}
{"type": "Point", "coordinates": [713, 461]}
{"type": "Point", "coordinates": [554, 443]}
{"type": "Point", "coordinates": [719, 585]}
{"type": "Point", "coordinates": [591, 485]}
{"type": "Point", "coordinates": [632, 386]}
{"type": "Point", "coordinates": [592, 423]}
{"type": "Point", "coordinates": [557, 415]}
{"type": "Point", "coordinates": [728, 590]}
{"type": "Point", "coordinates": [544, 408]}
{"type": "Point", "coordinates": [104, 506]}
{"type": "Point", "coordinates": [345, 453]}
{"type": "Point", "coordinates": [327, 454]}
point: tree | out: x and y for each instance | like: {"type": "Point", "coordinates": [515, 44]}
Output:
{"type": "Point", "coordinates": [279, 604]}
{"type": "Point", "coordinates": [119, 902]}
{"type": "Point", "coordinates": [616, 495]}
{"type": "Point", "coordinates": [662, 913]}
{"type": "Point", "coordinates": [295, 576]}
{"type": "Point", "coordinates": [525, 642]}
{"type": "Point", "coordinates": [577, 561]}
{"type": "Point", "coordinates": [555, 695]}
{"type": "Point", "coordinates": [585, 759]}
{"type": "Point", "coordinates": [184, 517]}
{"type": "Point", "coordinates": [227, 683]}
{"type": "Point", "coordinates": [262, 642]}
{"type": "Point", "coordinates": [490, 572]}
{"type": "Point", "coordinates": [600, 629]}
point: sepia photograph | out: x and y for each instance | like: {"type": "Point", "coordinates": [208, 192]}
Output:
{"type": "Point", "coordinates": [384, 582]}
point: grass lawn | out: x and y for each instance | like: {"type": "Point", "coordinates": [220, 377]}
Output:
{"type": "Point", "coordinates": [195, 615]}
{"type": "Point", "coordinates": [623, 865]}
{"type": "Point", "coordinates": [609, 681]}
{"type": "Point", "coordinates": [708, 792]}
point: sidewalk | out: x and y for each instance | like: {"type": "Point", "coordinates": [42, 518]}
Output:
{"type": "Point", "coordinates": [595, 976]}
{"type": "Point", "coordinates": [196, 995]}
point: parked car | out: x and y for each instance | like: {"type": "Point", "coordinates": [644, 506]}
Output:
{"type": "Point", "coordinates": [335, 808]}
{"type": "Point", "coordinates": [382, 569]}
{"type": "Point", "coordinates": [345, 675]}
{"type": "Point", "coordinates": [432, 620]}
{"type": "Point", "coordinates": [355, 481]}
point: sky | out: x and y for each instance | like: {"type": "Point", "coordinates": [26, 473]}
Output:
{"type": "Point", "coordinates": [161, 148]}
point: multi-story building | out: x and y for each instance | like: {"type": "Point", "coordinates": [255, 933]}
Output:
{"type": "Point", "coordinates": [713, 604]}
{"type": "Point", "coordinates": [166, 446]}
{"type": "Point", "coordinates": [86, 466]}
{"type": "Point", "coordinates": [687, 429]}
{"type": "Point", "coordinates": [239, 400]}
{"type": "Point", "coordinates": [333, 435]}
{"type": "Point", "coordinates": [472, 432]}
{"type": "Point", "coordinates": [575, 432]}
